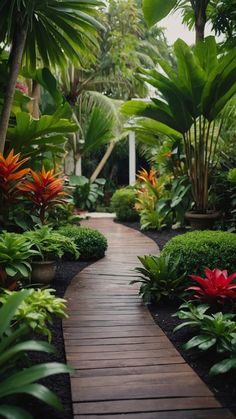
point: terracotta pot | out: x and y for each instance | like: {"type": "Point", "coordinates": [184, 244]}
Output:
{"type": "Point", "coordinates": [199, 221]}
{"type": "Point", "coordinates": [43, 272]}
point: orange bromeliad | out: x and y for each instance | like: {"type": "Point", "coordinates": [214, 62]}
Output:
{"type": "Point", "coordinates": [150, 177]}
{"type": "Point", "coordinates": [43, 190]}
{"type": "Point", "coordinates": [10, 176]}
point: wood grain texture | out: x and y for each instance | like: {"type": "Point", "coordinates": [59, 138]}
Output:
{"type": "Point", "coordinates": [124, 365]}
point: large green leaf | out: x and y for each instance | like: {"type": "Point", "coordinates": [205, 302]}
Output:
{"type": "Point", "coordinates": [220, 86]}
{"type": "Point", "coordinates": [14, 412]}
{"type": "Point", "coordinates": [155, 10]}
{"type": "Point", "coordinates": [34, 136]}
{"type": "Point", "coordinates": [30, 345]}
{"type": "Point", "coordinates": [57, 30]}
{"type": "Point", "coordinates": [29, 375]}
{"type": "Point", "coordinates": [8, 310]}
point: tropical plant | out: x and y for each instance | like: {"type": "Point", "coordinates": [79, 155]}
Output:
{"type": "Point", "coordinates": [201, 88]}
{"type": "Point", "coordinates": [215, 329]}
{"type": "Point", "coordinates": [216, 287]}
{"type": "Point", "coordinates": [86, 194]}
{"type": "Point", "coordinates": [36, 310]}
{"type": "Point", "coordinates": [195, 13]}
{"type": "Point", "coordinates": [159, 279]}
{"type": "Point", "coordinates": [228, 363]}
{"type": "Point", "coordinates": [198, 249]}
{"type": "Point", "coordinates": [10, 176]}
{"type": "Point", "coordinates": [150, 219]}
{"type": "Point", "coordinates": [44, 136]}
{"type": "Point", "coordinates": [63, 214]}
{"type": "Point", "coordinates": [50, 244]}
{"type": "Point", "coordinates": [44, 190]}
{"type": "Point", "coordinates": [15, 254]}
{"type": "Point", "coordinates": [90, 243]}
{"type": "Point", "coordinates": [14, 379]}
{"type": "Point", "coordinates": [123, 203]}
{"type": "Point", "coordinates": [30, 28]}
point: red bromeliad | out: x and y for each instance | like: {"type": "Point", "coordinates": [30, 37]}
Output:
{"type": "Point", "coordinates": [217, 286]}
{"type": "Point", "coordinates": [10, 176]}
{"type": "Point", "coordinates": [43, 190]}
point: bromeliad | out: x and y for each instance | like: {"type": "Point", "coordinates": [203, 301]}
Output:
{"type": "Point", "coordinates": [44, 190]}
{"type": "Point", "coordinates": [10, 176]}
{"type": "Point", "coordinates": [217, 286]}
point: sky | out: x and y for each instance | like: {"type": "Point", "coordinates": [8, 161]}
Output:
{"type": "Point", "coordinates": [175, 29]}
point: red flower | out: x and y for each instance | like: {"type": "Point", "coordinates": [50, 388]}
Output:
{"type": "Point", "coordinates": [216, 286]}
{"type": "Point", "coordinates": [10, 176]}
{"type": "Point", "coordinates": [44, 190]}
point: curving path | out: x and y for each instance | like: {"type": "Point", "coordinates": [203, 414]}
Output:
{"type": "Point", "coordinates": [125, 366]}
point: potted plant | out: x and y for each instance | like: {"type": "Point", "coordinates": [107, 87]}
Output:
{"type": "Point", "coordinates": [51, 246]}
{"type": "Point", "coordinates": [190, 106]}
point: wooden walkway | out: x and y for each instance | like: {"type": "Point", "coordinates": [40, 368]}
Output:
{"type": "Point", "coordinates": [125, 366]}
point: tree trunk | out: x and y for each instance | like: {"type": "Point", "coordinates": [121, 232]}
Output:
{"type": "Point", "coordinates": [102, 163]}
{"type": "Point", "coordinates": [200, 19]}
{"type": "Point", "coordinates": [35, 100]}
{"type": "Point", "coordinates": [16, 54]}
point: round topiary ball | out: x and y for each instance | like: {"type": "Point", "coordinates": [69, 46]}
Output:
{"type": "Point", "coordinates": [199, 249]}
{"type": "Point", "coordinates": [90, 242]}
{"type": "Point", "coordinates": [123, 202]}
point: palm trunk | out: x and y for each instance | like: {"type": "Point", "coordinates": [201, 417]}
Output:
{"type": "Point", "coordinates": [200, 19]}
{"type": "Point", "coordinates": [35, 100]}
{"type": "Point", "coordinates": [102, 162]}
{"type": "Point", "coordinates": [16, 54]}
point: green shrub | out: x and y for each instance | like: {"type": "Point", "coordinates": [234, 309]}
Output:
{"type": "Point", "coordinates": [200, 249]}
{"type": "Point", "coordinates": [91, 244]}
{"type": "Point", "coordinates": [123, 202]}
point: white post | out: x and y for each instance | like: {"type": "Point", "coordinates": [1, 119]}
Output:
{"type": "Point", "coordinates": [132, 158]}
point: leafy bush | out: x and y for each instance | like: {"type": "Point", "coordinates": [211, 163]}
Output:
{"type": "Point", "coordinates": [214, 329]}
{"type": "Point", "coordinates": [15, 380]}
{"type": "Point", "coordinates": [198, 249]}
{"type": "Point", "coordinates": [123, 203]}
{"type": "Point", "coordinates": [51, 244]}
{"type": "Point", "coordinates": [15, 254]}
{"type": "Point", "coordinates": [36, 310]}
{"type": "Point", "coordinates": [86, 194]}
{"type": "Point", "coordinates": [228, 363]}
{"type": "Point", "coordinates": [159, 279]}
{"type": "Point", "coordinates": [90, 243]}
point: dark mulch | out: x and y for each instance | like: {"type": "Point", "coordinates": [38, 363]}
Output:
{"type": "Point", "coordinates": [223, 386]}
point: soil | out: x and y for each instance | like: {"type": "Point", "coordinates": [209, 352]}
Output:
{"type": "Point", "coordinates": [223, 386]}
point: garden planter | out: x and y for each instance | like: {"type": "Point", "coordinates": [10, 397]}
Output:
{"type": "Point", "coordinates": [43, 272]}
{"type": "Point", "coordinates": [200, 221]}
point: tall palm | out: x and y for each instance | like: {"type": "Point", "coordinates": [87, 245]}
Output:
{"type": "Point", "coordinates": [51, 29]}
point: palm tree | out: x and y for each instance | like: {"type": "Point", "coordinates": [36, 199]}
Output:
{"type": "Point", "coordinates": [155, 10]}
{"type": "Point", "coordinates": [52, 29]}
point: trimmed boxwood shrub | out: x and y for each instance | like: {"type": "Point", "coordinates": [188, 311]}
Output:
{"type": "Point", "coordinates": [122, 202]}
{"type": "Point", "coordinates": [90, 242]}
{"type": "Point", "coordinates": [198, 249]}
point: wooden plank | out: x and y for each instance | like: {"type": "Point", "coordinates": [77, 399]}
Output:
{"type": "Point", "coordinates": [116, 348]}
{"type": "Point", "coordinates": [137, 391]}
{"type": "Point", "coordinates": [117, 363]}
{"type": "Point", "coordinates": [123, 355]}
{"type": "Point", "coordinates": [147, 405]}
{"type": "Point", "coordinates": [182, 414]}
